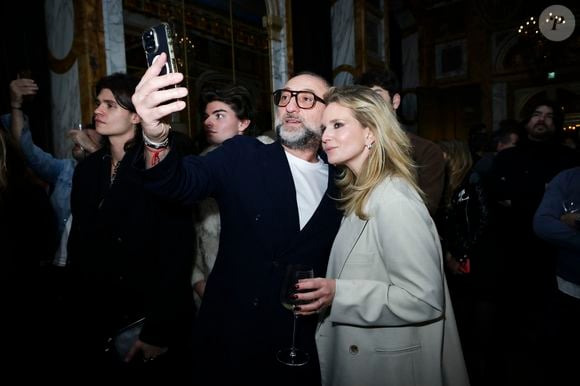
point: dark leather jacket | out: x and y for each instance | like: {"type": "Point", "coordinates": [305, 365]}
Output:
{"type": "Point", "coordinates": [466, 219]}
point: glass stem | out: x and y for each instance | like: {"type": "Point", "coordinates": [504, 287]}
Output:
{"type": "Point", "coordinates": [293, 348]}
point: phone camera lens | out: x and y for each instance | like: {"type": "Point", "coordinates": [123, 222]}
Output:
{"type": "Point", "coordinates": [149, 41]}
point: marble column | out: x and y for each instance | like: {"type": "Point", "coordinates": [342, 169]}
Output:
{"type": "Point", "coordinates": [64, 75]}
{"type": "Point", "coordinates": [114, 36]}
{"type": "Point", "coordinates": [276, 23]}
{"type": "Point", "coordinates": [343, 47]}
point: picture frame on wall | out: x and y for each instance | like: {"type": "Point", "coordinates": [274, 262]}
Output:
{"type": "Point", "coordinates": [451, 59]}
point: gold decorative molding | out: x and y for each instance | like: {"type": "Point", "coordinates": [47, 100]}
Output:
{"type": "Point", "coordinates": [203, 22]}
{"type": "Point", "coordinates": [344, 68]}
{"type": "Point", "coordinates": [274, 25]}
{"type": "Point", "coordinates": [359, 35]}
{"type": "Point", "coordinates": [89, 43]}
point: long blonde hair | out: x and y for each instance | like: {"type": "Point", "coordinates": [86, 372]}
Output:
{"type": "Point", "coordinates": [458, 163]}
{"type": "Point", "coordinates": [390, 155]}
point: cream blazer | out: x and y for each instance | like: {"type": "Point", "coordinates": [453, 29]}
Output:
{"type": "Point", "coordinates": [391, 321]}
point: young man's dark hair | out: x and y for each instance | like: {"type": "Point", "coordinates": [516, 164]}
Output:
{"type": "Point", "coordinates": [122, 86]}
{"type": "Point", "coordinates": [385, 79]}
{"type": "Point", "coordinates": [237, 97]}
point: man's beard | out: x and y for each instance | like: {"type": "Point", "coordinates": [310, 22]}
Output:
{"type": "Point", "coordinates": [541, 135]}
{"type": "Point", "coordinates": [305, 139]}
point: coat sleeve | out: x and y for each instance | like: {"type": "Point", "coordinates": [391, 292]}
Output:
{"type": "Point", "coordinates": [410, 290]}
{"type": "Point", "coordinates": [192, 178]}
{"type": "Point", "coordinates": [42, 163]}
{"type": "Point", "coordinates": [547, 223]}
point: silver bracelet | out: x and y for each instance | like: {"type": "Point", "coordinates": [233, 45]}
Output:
{"type": "Point", "coordinates": [156, 145]}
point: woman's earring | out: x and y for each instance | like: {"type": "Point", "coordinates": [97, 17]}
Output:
{"type": "Point", "coordinates": [369, 146]}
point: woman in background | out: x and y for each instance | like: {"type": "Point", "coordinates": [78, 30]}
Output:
{"type": "Point", "coordinates": [472, 262]}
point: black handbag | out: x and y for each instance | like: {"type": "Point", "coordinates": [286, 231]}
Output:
{"type": "Point", "coordinates": [125, 338]}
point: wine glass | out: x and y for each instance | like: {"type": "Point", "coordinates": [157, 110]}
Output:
{"type": "Point", "coordinates": [293, 356]}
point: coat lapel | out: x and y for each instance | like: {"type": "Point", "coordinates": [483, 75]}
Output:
{"type": "Point", "coordinates": [350, 232]}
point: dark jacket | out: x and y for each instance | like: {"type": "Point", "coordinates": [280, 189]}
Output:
{"type": "Point", "coordinates": [466, 219]}
{"type": "Point", "coordinates": [430, 170]}
{"type": "Point", "coordinates": [548, 226]}
{"type": "Point", "coordinates": [241, 321]}
{"type": "Point", "coordinates": [130, 253]}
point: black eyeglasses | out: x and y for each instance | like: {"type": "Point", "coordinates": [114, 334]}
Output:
{"type": "Point", "coordinates": [304, 99]}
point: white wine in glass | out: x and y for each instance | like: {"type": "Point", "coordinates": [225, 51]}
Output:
{"type": "Point", "coordinates": [293, 356]}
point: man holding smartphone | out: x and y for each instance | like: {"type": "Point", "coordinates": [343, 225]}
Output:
{"type": "Point", "coordinates": [276, 209]}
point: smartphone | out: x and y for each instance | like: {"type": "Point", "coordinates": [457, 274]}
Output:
{"type": "Point", "coordinates": [156, 40]}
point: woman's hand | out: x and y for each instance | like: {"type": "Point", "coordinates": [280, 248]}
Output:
{"type": "Point", "coordinates": [320, 295]}
{"type": "Point", "coordinates": [153, 101]}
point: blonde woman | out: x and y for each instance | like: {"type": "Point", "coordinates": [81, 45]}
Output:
{"type": "Point", "coordinates": [385, 313]}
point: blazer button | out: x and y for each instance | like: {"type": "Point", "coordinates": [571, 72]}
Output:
{"type": "Point", "coordinates": [353, 349]}
{"type": "Point", "coordinates": [256, 302]}
{"type": "Point", "coordinates": [119, 240]}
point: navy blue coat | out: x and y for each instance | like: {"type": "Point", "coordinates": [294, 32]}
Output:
{"type": "Point", "coordinates": [241, 321]}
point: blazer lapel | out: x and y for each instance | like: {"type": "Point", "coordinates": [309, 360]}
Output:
{"type": "Point", "coordinates": [278, 182]}
{"type": "Point", "coordinates": [350, 231]}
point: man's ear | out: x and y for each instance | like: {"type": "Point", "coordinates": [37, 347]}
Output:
{"type": "Point", "coordinates": [396, 101]}
{"type": "Point", "coordinates": [243, 125]}
{"type": "Point", "coordinates": [135, 118]}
